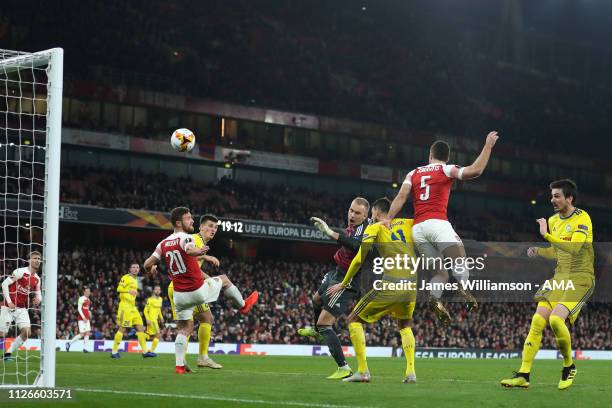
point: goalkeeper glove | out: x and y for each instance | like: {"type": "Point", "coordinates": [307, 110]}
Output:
{"type": "Point", "coordinates": [322, 226]}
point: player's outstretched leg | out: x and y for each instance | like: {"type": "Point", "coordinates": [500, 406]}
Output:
{"type": "Point", "coordinates": [520, 379]}
{"type": "Point", "coordinates": [359, 345]}
{"type": "Point", "coordinates": [461, 273]}
{"type": "Point", "coordinates": [116, 341]}
{"type": "Point", "coordinates": [408, 345]}
{"type": "Point", "coordinates": [564, 342]}
{"type": "Point", "coordinates": [19, 340]}
{"type": "Point", "coordinates": [439, 278]}
{"type": "Point", "coordinates": [180, 345]}
{"type": "Point", "coordinates": [436, 306]}
{"type": "Point", "coordinates": [325, 326]}
{"type": "Point", "coordinates": [231, 291]}
{"type": "Point", "coordinates": [204, 333]}
{"type": "Point", "coordinates": [74, 339]}
{"type": "Point", "coordinates": [142, 342]}
{"type": "Point", "coordinates": [317, 305]}
{"type": "Point", "coordinates": [86, 342]}
{"type": "Point", "coordinates": [154, 342]}
{"type": "Point", "coordinates": [335, 349]}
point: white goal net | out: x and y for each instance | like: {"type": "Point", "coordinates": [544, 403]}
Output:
{"type": "Point", "coordinates": [30, 143]}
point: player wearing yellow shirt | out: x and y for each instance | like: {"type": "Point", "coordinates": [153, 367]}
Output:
{"type": "Point", "coordinates": [208, 228]}
{"type": "Point", "coordinates": [570, 233]}
{"type": "Point", "coordinates": [154, 316]}
{"type": "Point", "coordinates": [127, 313]}
{"type": "Point", "coordinates": [393, 294]}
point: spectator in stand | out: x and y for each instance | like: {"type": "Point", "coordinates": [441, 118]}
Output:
{"type": "Point", "coordinates": [283, 307]}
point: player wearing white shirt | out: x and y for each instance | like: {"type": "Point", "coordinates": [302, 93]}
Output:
{"type": "Point", "coordinates": [84, 322]}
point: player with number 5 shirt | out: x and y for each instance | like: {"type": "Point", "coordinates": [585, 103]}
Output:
{"type": "Point", "coordinates": [433, 235]}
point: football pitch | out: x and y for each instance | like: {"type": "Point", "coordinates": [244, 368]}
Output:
{"type": "Point", "coordinates": [266, 381]}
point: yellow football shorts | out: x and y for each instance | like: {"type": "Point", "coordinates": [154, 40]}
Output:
{"type": "Point", "coordinates": [573, 296]}
{"type": "Point", "coordinates": [376, 304]}
{"type": "Point", "coordinates": [128, 316]}
{"type": "Point", "coordinates": [152, 327]}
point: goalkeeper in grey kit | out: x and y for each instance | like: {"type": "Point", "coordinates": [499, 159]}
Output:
{"type": "Point", "coordinates": [329, 308]}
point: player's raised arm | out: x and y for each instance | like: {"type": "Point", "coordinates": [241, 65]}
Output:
{"type": "Point", "coordinates": [400, 199]}
{"type": "Point", "coordinates": [211, 259]}
{"type": "Point", "coordinates": [477, 168]}
{"type": "Point", "coordinates": [150, 264]}
{"type": "Point", "coordinates": [190, 247]}
{"type": "Point", "coordinates": [344, 240]}
{"type": "Point", "coordinates": [573, 247]}
{"type": "Point", "coordinates": [364, 249]}
{"type": "Point", "coordinates": [548, 252]}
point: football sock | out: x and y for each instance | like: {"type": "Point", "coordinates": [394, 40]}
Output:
{"type": "Point", "coordinates": [408, 345]}
{"type": "Point", "coordinates": [460, 272]}
{"type": "Point", "coordinates": [359, 345]}
{"type": "Point", "coordinates": [16, 344]}
{"type": "Point", "coordinates": [85, 341]}
{"type": "Point", "coordinates": [154, 343]}
{"type": "Point", "coordinates": [564, 339]}
{"type": "Point", "coordinates": [75, 338]}
{"type": "Point", "coordinates": [117, 340]}
{"type": "Point", "coordinates": [437, 293]}
{"type": "Point", "coordinates": [333, 343]}
{"type": "Point", "coordinates": [233, 293]}
{"type": "Point", "coordinates": [532, 342]}
{"type": "Point", "coordinates": [142, 340]}
{"type": "Point", "coordinates": [180, 344]}
{"type": "Point", "coordinates": [204, 338]}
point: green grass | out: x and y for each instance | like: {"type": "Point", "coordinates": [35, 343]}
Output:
{"type": "Point", "coordinates": [265, 381]}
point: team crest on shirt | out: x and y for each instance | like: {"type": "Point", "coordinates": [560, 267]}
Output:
{"type": "Point", "coordinates": [568, 228]}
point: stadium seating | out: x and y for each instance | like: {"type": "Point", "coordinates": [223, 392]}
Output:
{"type": "Point", "coordinates": [318, 68]}
{"type": "Point", "coordinates": [286, 289]}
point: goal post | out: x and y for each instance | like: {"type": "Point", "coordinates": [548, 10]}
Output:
{"type": "Point", "coordinates": [30, 137]}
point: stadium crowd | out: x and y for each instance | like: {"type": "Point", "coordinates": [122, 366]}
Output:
{"type": "Point", "coordinates": [333, 58]}
{"type": "Point", "coordinates": [137, 190]}
{"type": "Point", "coordinates": [286, 289]}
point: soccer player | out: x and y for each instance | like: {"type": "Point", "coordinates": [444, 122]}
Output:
{"type": "Point", "coordinates": [84, 315]}
{"type": "Point", "coordinates": [570, 233]}
{"type": "Point", "coordinates": [391, 295]}
{"type": "Point", "coordinates": [16, 290]}
{"type": "Point", "coordinates": [153, 317]}
{"type": "Point", "coordinates": [191, 287]}
{"type": "Point", "coordinates": [127, 313]}
{"type": "Point", "coordinates": [433, 235]}
{"type": "Point", "coordinates": [208, 228]}
{"type": "Point", "coordinates": [329, 308]}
